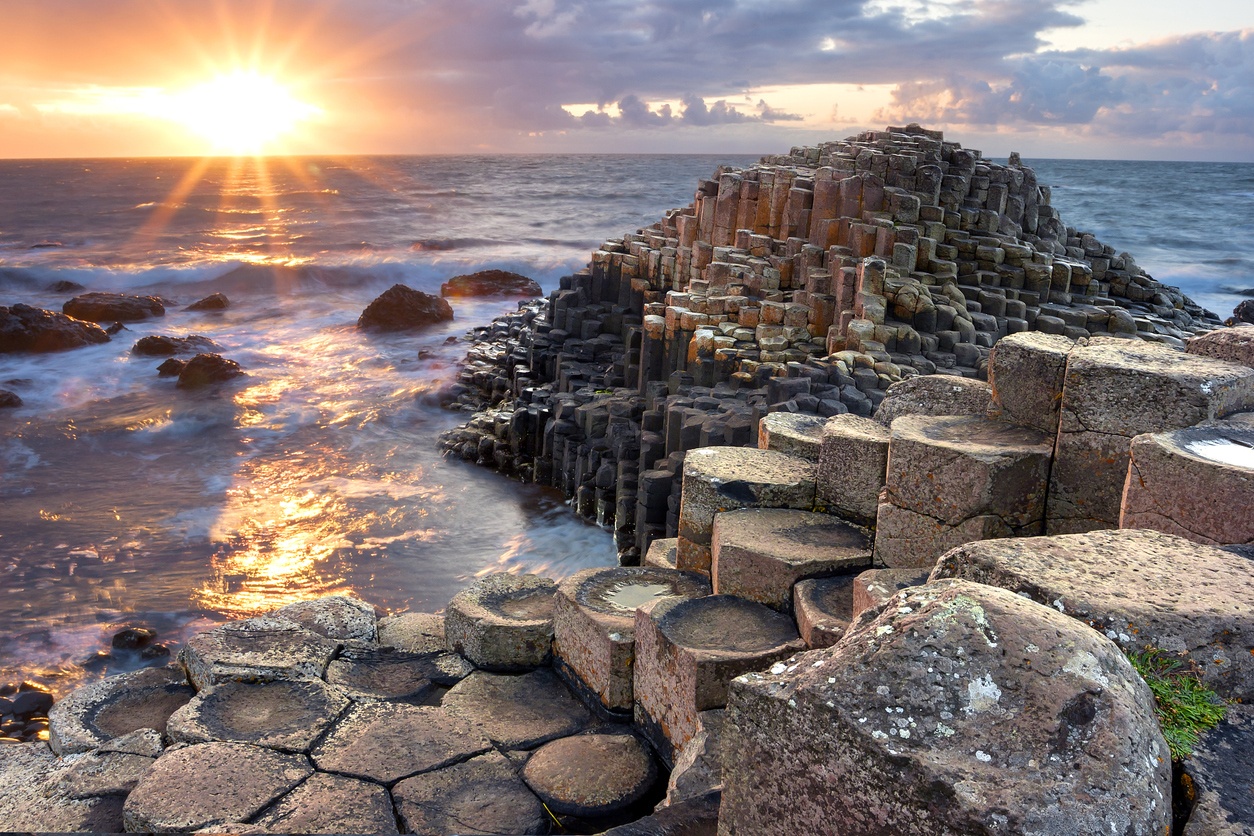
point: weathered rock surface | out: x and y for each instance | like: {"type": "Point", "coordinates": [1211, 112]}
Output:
{"type": "Point", "coordinates": [210, 783]}
{"type": "Point", "coordinates": [1236, 345]}
{"type": "Point", "coordinates": [212, 302]}
{"type": "Point", "coordinates": [1219, 777]}
{"type": "Point", "coordinates": [24, 328]}
{"type": "Point", "coordinates": [413, 632]}
{"type": "Point", "coordinates": [338, 617]}
{"type": "Point", "coordinates": [113, 307]}
{"type": "Point", "coordinates": [256, 650]}
{"type": "Point", "coordinates": [874, 587]}
{"type": "Point", "coordinates": [1040, 726]}
{"type": "Point", "coordinates": [156, 345]}
{"type": "Point", "coordinates": [792, 433]}
{"type": "Point", "coordinates": [1026, 372]}
{"type": "Point", "coordinates": [332, 804]}
{"type": "Point", "coordinates": [852, 464]}
{"type": "Point", "coordinates": [1139, 588]}
{"type": "Point", "coordinates": [283, 715]}
{"type": "Point", "coordinates": [31, 800]}
{"type": "Point", "coordinates": [206, 370]}
{"type": "Point", "coordinates": [481, 796]}
{"type": "Point", "coordinates": [99, 773]}
{"type": "Point", "coordinates": [503, 622]}
{"type": "Point", "coordinates": [400, 308]}
{"type": "Point", "coordinates": [375, 673]}
{"type": "Point", "coordinates": [491, 283]}
{"type": "Point", "coordinates": [823, 608]}
{"type": "Point", "coordinates": [517, 711]}
{"type": "Point", "coordinates": [699, 768]}
{"type": "Point", "coordinates": [111, 708]}
{"type": "Point", "coordinates": [934, 395]}
{"type": "Point", "coordinates": [591, 775]}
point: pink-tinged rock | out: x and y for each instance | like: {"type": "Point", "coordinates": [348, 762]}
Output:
{"type": "Point", "coordinates": [823, 608]}
{"type": "Point", "coordinates": [256, 650]}
{"type": "Point", "coordinates": [332, 804]}
{"type": "Point", "coordinates": [483, 795]}
{"type": "Point", "coordinates": [934, 394]}
{"type": "Point", "coordinates": [1040, 725]}
{"type": "Point", "coordinates": [853, 461]}
{"type": "Point", "coordinates": [1236, 345]}
{"type": "Point", "coordinates": [1026, 371]}
{"type": "Point", "coordinates": [503, 622]}
{"type": "Point", "coordinates": [875, 586]}
{"type": "Point", "coordinates": [591, 775]}
{"type": "Point", "coordinates": [517, 711]}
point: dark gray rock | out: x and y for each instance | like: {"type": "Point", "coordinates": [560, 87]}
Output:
{"type": "Point", "coordinates": [212, 302]}
{"type": "Point", "coordinates": [9, 400]}
{"type": "Point", "coordinates": [208, 369]}
{"type": "Point", "coordinates": [491, 283]}
{"type": "Point", "coordinates": [24, 328]}
{"type": "Point", "coordinates": [400, 308]}
{"type": "Point", "coordinates": [373, 673]}
{"type": "Point", "coordinates": [1219, 777]}
{"type": "Point", "coordinates": [156, 345]}
{"type": "Point", "coordinates": [113, 307]}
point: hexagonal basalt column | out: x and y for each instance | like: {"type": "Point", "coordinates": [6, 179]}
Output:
{"type": "Point", "coordinates": [968, 477]}
{"type": "Point", "coordinates": [1114, 392]}
{"type": "Point", "coordinates": [823, 608]}
{"type": "Point", "coordinates": [503, 622]}
{"type": "Point", "coordinates": [1026, 371]}
{"type": "Point", "coordinates": [726, 478]}
{"type": "Point", "coordinates": [256, 650]}
{"type": "Point", "coordinates": [687, 651]}
{"type": "Point", "coordinates": [759, 553]}
{"type": "Point", "coordinates": [594, 628]}
{"type": "Point", "coordinates": [1197, 483]}
{"type": "Point", "coordinates": [852, 464]}
{"type": "Point", "coordinates": [793, 433]}
{"type": "Point", "coordinates": [278, 715]}
{"type": "Point", "coordinates": [97, 713]}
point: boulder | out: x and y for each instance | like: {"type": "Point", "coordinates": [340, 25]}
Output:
{"type": "Point", "coordinates": [23, 328]}
{"type": "Point", "coordinates": [172, 367]}
{"type": "Point", "coordinates": [156, 345]}
{"type": "Point", "coordinates": [503, 622]}
{"type": "Point", "coordinates": [208, 369]}
{"type": "Point", "coordinates": [400, 308]}
{"type": "Point", "coordinates": [413, 632]}
{"type": "Point", "coordinates": [1139, 588]}
{"type": "Point", "coordinates": [1039, 726]}
{"type": "Point", "coordinates": [1242, 314]}
{"type": "Point", "coordinates": [113, 307]}
{"type": "Point", "coordinates": [591, 775]}
{"type": "Point", "coordinates": [491, 283]}
{"type": "Point", "coordinates": [9, 400]}
{"type": "Point", "coordinates": [934, 394]}
{"type": "Point", "coordinates": [482, 795]}
{"type": "Point", "coordinates": [1236, 345]}
{"type": "Point", "coordinates": [212, 302]}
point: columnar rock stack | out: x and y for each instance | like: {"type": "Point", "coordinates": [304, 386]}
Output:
{"type": "Point", "coordinates": [808, 283]}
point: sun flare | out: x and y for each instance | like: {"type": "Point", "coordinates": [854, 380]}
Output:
{"type": "Point", "coordinates": [243, 112]}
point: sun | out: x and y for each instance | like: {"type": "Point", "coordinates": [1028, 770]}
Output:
{"type": "Point", "coordinates": [243, 112]}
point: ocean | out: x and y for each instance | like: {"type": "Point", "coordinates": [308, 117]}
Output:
{"type": "Point", "coordinates": [124, 501]}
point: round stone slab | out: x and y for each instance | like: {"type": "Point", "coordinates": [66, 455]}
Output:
{"type": "Point", "coordinates": [335, 616]}
{"type": "Point", "coordinates": [759, 553]}
{"type": "Point", "coordinates": [481, 796]}
{"type": "Point", "coordinates": [373, 673]}
{"type": "Point", "coordinates": [256, 650]}
{"type": "Point", "coordinates": [95, 714]}
{"type": "Point", "coordinates": [503, 622]}
{"type": "Point", "coordinates": [592, 774]}
{"type": "Point", "coordinates": [517, 712]}
{"type": "Point", "coordinates": [286, 715]}
{"type": "Point", "coordinates": [210, 783]}
{"type": "Point", "coordinates": [385, 742]}
{"type": "Point", "coordinates": [332, 804]}
{"type": "Point", "coordinates": [1139, 588]}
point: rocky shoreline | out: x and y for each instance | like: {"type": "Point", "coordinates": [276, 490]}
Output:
{"type": "Point", "coordinates": [905, 490]}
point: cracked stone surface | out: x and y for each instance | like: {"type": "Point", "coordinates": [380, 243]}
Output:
{"type": "Point", "coordinates": [283, 714]}
{"type": "Point", "coordinates": [503, 622]}
{"type": "Point", "coordinates": [341, 617]}
{"type": "Point", "coordinates": [381, 674]}
{"type": "Point", "coordinates": [413, 632]}
{"type": "Point", "coordinates": [1026, 372]}
{"type": "Point", "coordinates": [481, 796]}
{"type": "Point", "coordinates": [32, 800]}
{"type": "Point", "coordinates": [851, 469]}
{"type": "Point", "coordinates": [332, 804]}
{"type": "Point", "coordinates": [256, 650]}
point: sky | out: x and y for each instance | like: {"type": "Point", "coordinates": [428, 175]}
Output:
{"type": "Point", "coordinates": [1096, 79]}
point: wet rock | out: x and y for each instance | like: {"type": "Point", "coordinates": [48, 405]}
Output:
{"type": "Point", "coordinates": [256, 650]}
{"type": "Point", "coordinates": [133, 638]}
{"type": "Point", "coordinates": [31, 799]}
{"type": "Point", "coordinates": [96, 714]}
{"type": "Point", "coordinates": [1139, 588]}
{"type": "Point", "coordinates": [27, 703]}
{"type": "Point", "coordinates": [9, 400]}
{"type": "Point", "coordinates": [113, 307]}
{"type": "Point", "coordinates": [283, 715]}
{"type": "Point", "coordinates": [1243, 313]}
{"type": "Point", "coordinates": [23, 328]}
{"type": "Point", "coordinates": [115, 329]}
{"type": "Point", "coordinates": [385, 742]}
{"type": "Point", "coordinates": [759, 553]}
{"type": "Point", "coordinates": [823, 608]}
{"type": "Point", "coordinates": [594, 626]}
{"type": "Point", "coordinates": [171, 368]}
{"type": "Point", "coordinates": [503, 622]}
{"type": "Point", "coordinates": [491, 283]}
{"type": "Point", "coordinates": [517, 712]}
{"type": "Point", "coordinates": [934, 394]}
{"type": "Point", "coordinates": [400, 308]}
{"type": "Point", "coordinates": [210, 783]}
{"type": "Point", "coordinates": [208, 369]}
{"type": "Point", "coordinates": [212, 302]}
{"type": "Point", "coordinates": [156, 345]}
{"type": "Point", "coordinates": [65, 286]}
{"type": "Point", "coordinates": [688, 650]}
{"type": "Point", "coordinates": [340, 617]}
{"type": "Point", "coordinates": [591, 775]}
{"type": "Point", "coordinates": [1040, 725]}
{"type": "Point", "coordinates": [332, 804]}
{"type": "Point", "coordinates": [1219, 777]}
{"type": "Point", "coordinates": [413, 632]}
{"type": "Point", "coordinates": [481, 796]}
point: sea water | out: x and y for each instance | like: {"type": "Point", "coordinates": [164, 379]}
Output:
{"type": "Point", "coordinates": [125, 501]}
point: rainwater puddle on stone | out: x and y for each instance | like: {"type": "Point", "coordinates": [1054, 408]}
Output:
{"type": "Point", "coordinates": [628, 595]}
{"type": "Point", "coordinates": [1229, 451]}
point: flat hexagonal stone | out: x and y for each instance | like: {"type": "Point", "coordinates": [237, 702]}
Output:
{"type": "Point", "coordinates": [1139, 588]}
{"type": "Point", "coordinates": [594, 625]}
{"type": "Point", "coordinates": [823, 608]}
{"type": "Point", "coordinates": [661, 553]}
{"type": "Point", "coordinates": [481, 796]}
{"type": "Point", "coordinates": [851, 469]}
{"type": "Point", "coordinates": [385, 742]}
{"type": "Point", "coordinates": [211, 783]}
{"type": "Point", "coordinates": [794, 433]}
{"type": "Point", "coordinates": [332, 804]}
{"type": "Point", "coordinates": [591, 775]}
{"type": "Point", "coordinates": [385, 674]}
{"type": "Point", "coordinates": [283, 714]}
{"type": "Point", "coordinates": [103, 773]}
{"type": "Point", "coordinates": [256, 650]}
{"type": "Point", "coordinates": [688, 650]}
{"type": "Point", "coordinates": [517, 711]}
{"type": "Point", "coordinates": [413, 632]}
{"type": "Point", "coordinates": [94, 714]}
{"type": "Point", "coordinates": [759, 553]}
{"type": "Point", "coordinates": [503, 622]}
{"type": "Point", "coordinates": [335, 616]}
{"type": "Point", "coordinates": [31, 800]}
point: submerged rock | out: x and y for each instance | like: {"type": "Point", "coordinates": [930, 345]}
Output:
{"type": "Point", "coordinates": [171, 368]}
{"type": "Point", "coordinates": [212, 302]}
{"type": "Point", "coordinates": [25, 328]}
{"type": "Point", "coordinates": [156, 345]}
{"type": "Point", "coordinates": [9, 400]}
{"type": "Point", "coordinates": [113, 307]}
{"type": "Point", "coordinates": [204, 369]}
{"type": "Point", "coordinates": [491, 283]}
{"type": "Point", "coordinates": [401, 308]}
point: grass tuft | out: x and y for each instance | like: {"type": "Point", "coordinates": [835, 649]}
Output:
{"type": "Point", "coordinates": [1186, 707]}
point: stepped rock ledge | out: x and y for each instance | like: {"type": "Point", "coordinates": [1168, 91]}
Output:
{"type": "Point", "coordinates": [910, 467]}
